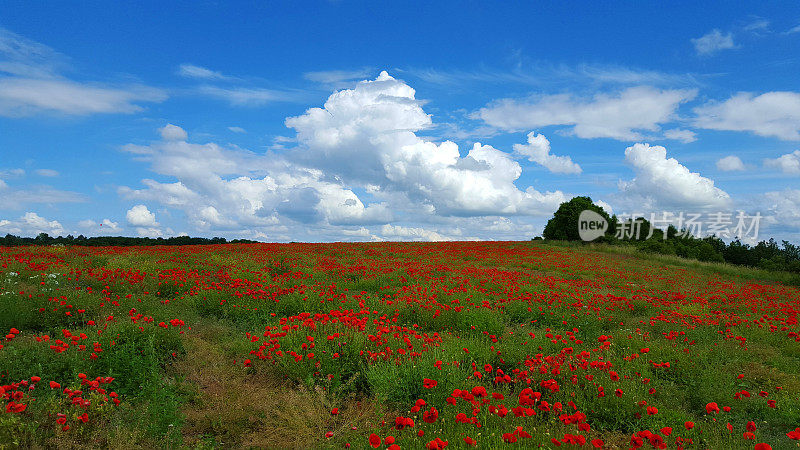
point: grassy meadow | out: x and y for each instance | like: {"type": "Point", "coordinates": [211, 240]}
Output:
{"type": "Point", "coordinates": [393, 345]}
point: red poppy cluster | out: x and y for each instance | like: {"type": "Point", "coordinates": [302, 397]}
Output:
{"type": "Point", "coordinates": [77, 401]}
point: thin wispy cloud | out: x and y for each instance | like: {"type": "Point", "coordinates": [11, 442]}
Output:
{"type": "Point", "coordinates": [198, 72]}
{"type": "Point", "coordinates": [758, 25]}
{"type": "Point", "coordinates": [15, 198]}
{"type": "Point", "coordinates": [250, 96]}
{"type": "Point", "coordinates": [543, 74]}
{"type": "Point", "coordinates": [20, 56]}
{"type": "Point", "coordinates": [623, 115]}
{"type": "Point", "coordinates": [337, 77]}
{"type": "Point", "coordinates": [47, 172]}
{"type": "Point", "coordinates": [33, 84]}
{"type": "Point", "coordinates": [28, 96]}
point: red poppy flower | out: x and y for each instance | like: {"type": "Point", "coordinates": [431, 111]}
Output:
{"type": "Point", "coordinates": [401, 422]}
{"type": "Point", "coordinates": [657, 441]}
{"type": "Point", "coordinates": [479, 391]}
{"type": "Point", "coordinates": [437, 444]}
{"type": "Point", "coordinates": [712, 408]}
{"type": "Point", "coordinates": [430, 416]}
{"type": "Point", "coordinates": [374, 440]}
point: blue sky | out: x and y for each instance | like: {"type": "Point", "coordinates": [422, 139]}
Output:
{"type": "Point", "coordinates": [277, 122]}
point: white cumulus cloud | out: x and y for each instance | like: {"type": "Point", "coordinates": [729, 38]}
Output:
{"type": "Point", "coordinates": [31, 224]}
{"type": "Point", "coordinates": [172, 132]}
{"type": "Point", "coordinates": [788, 163]}
{"type": "Point", "coordinates": [677, 134]}
{"type": "Point", "coordinates": [712, 42]}
{"type": "Point", "coordinates": [106, 226]}
{"type": "Point", "coordinates": [662, 182]}
{"type": "Point", "coordinates": [367, 136]}
{"type": "Point", "coordinates": [538, 150]}
{"type": "Point", "coordinates": [730, 163]}
{"type": "Point", "coordinates": [401, 233]}
{"type": "Point", "coordinates": [772, 114]}
{"type": "Point", "coordinates": [140, 216]}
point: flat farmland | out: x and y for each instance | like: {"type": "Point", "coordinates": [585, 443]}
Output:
{"type": "Point", "coordinates": [393, 345]}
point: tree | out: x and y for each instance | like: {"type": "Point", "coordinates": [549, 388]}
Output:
{"type": "Point", "coordinates": [564, 224]}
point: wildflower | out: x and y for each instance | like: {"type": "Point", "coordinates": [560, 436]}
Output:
{"type": "Point", "coordinates": [374, 440]}
{"type": "Point", "coordinates": [427, 383]}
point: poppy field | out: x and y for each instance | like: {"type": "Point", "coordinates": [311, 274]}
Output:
{"type": "Point", "coordinates": [392, 345]}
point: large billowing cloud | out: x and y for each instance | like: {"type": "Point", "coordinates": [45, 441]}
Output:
{"type": "Point", "coordinates": [367, 136]}
{"type": "Point", "coordinates": [662, 182]}
{"type": "Point", "coordinates": [359, 162]}
{"type": "Point", "coordinates": [229, 188]}
{"type": "Point", "coordinates": [624, 116]}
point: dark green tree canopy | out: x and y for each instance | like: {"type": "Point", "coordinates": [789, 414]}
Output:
{"type": "Point", "coordinates": [564, 224]}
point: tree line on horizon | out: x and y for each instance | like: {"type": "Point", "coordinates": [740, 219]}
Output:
{"type": "Point", "coordinates": [766, 254]}
{"type": "Point", "coordinates": [11, 240]}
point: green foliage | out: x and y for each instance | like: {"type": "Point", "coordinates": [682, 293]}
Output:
{"type": "Point", "coordinates": [564, 224]}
